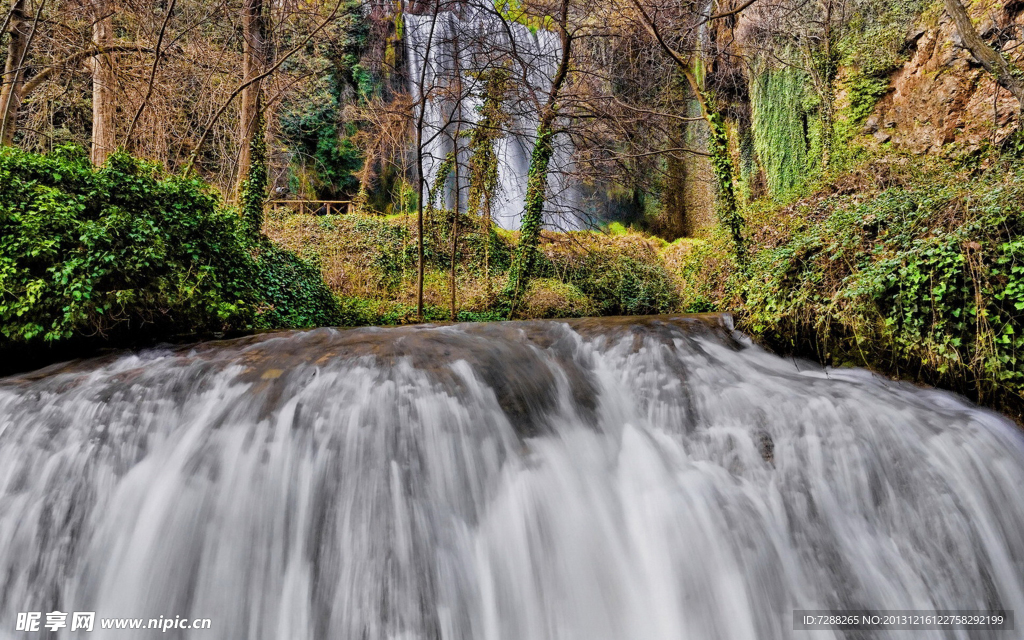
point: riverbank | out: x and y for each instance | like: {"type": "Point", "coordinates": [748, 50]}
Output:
{"type": "Point", "coordinates": [910, 267]}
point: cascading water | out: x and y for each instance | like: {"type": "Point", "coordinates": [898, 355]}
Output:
{"type": "Point", "coordinates": [629, 479]}
{"type": "Point", "coordinates": [446, 54]}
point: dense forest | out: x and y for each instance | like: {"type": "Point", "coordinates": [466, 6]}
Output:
{"type": "Point", "coordinates": [844, 176]}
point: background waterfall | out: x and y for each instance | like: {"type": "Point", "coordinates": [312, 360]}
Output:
{"type": "Point", "coordinates": [455, 47]}
{"type": "Point", "coordinates": [601, 479]}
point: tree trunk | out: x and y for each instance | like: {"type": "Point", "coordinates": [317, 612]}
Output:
{"type": "Point", "coordinates": [529, 230]}
{"type": "Point", "coordinates": [103, 141]}
{"type": "Point", "coordinates": [692, 68]}
{"type": "Point", "coordinates": [537, 177]}
{"type": "Point", "coordinates": [992, 60]}
{"type": "Point", "coordinates": [10, 93]}
{"type": "Point", "coordinates": [721, 163]}
{"type": "Point", "coordinates": [254, 63]}
{"type": "Point", "coordinates": [420, 178]}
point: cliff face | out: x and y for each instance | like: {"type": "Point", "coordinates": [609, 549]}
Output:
{"type": "Point", "coordinates": [938, 101]}
{"type": "Point", "coordinates": [941, 100]}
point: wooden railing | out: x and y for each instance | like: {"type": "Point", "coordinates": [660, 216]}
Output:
{"type": "Point", "coordinates": [320, 207]}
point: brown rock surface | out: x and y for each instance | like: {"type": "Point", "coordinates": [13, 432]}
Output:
{"type": "Point", "coordinates": [941, 96]}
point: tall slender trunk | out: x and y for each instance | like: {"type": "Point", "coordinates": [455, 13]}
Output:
{"type": "Point", "coordinates": [455, 228]}
{"type": "Point", "coordinates": [458, 190]}
{"type": "Point", "coordinates": [537, 177]}
{"type": "Point", "coordinates": [254, 63]}
{"type": "Point", "coordinates": [486, 221]}
{"type": "Point", "coordinates": [692, 68]}
{"type": "Point", "coordinates": [420, 178]}
{"type": "Point", "coordinates": [13, 79]}
{"type": "Point", "coordinates": [103, 107]}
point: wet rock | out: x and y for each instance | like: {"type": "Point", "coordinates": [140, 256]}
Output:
{"type": "Point", "coordinates": [766, 446]}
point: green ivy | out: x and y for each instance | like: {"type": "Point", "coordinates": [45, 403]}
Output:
{"type": "Point", "coordinates": [785, 129]}
{"type": "Point", "coordinates": [126, 253]}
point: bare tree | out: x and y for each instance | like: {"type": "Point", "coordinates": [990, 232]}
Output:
{"type": "Point", "coordinates": [103, 105]}
{"type": "Point", "coordinates": [13, 79]}
{"type": "Point", "coordinates": [255, 59]}
{"type": "Point", "coordinates": [992, 60]}
{"type": "Point", "coordinates": [691, 62]}
{"type": "Point", "coordinates": [525, 257]}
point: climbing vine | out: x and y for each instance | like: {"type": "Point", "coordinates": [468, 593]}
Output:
{"type": "Point", "coordinates": [529, 232]}
{"type": "Point", "coordinates": [483, 159]}
{"type": "Point", "coordinates": [786, 133]}
{"type": "Point", "coordinates": [254, 188]}
{"type": "Point", "coordinates": [721, 163]}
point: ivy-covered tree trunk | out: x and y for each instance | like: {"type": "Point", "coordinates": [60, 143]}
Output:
{"type": "Point", "coordinates": [693, 68]}
{"type": "Point", "coordinates": [525, 257]}
{"type": "Point", "coordinates": [483, 159]}
{"type": "Point", "coordinates": [253, 192]}
{"type": "Point", "coordinates": [721, 163]}
{"type": "Point", "coordinates": [254, 63]}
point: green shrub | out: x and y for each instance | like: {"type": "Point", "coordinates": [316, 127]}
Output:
{"type": "Point", "coordinates": [293, 293]}
{"type": "Point", "coordinates": [125, 254]}
{"type": "Point", "coordinates": [924, 280]}
{"type": "Point", "coordinates": [551, 298]}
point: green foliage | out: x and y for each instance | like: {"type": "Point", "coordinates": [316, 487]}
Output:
{"type": "Point", "coordinates": [552, 298]}
{"type": "Point", "coordinates": [863, 93]}
{"type": "Point", "coordinates": [875, 40]}
{"type": "Point", "coordinates": [125, 254]}
{"type": "Point", "coordinates": [112, 251]}
{"type": "Point", "coordinates": [924, 280]}
{"type": "Point", "coordinates": [253, 194]}
{"type": "Point", "coordinates": [621, 277]}
{"type": "Point", "coordinates": [529, 232]}
{"type": "Point", "coordinates": [325, 156]}
{"type": "Point", "coordinates": [516, 11]}
{"type": "Point", "coordinates": [617, 229]}
{"type": "Point", "coordinates": [631, 287]}
{"type": "Point", "coordinates": [784, 128]}
{"type": "Point", "coordinates": [292, 292]}
{"type": "Point", "coordinates": [375, 262]}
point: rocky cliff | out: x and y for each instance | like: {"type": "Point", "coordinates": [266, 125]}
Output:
{"type": "Point", "coordinates": [941, 101]}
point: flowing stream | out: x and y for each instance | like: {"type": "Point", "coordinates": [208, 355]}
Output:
{"type": "Point", "coordinates": [628, 479]}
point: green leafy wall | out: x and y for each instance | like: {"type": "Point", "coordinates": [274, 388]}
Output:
{"type": "Point", "coordinates": [786, 128]}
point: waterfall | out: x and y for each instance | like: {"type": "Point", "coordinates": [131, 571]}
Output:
{"type": "Point", "coordinates": [648, 479]}
{"type": "Point", "coordinates": [445, 55]}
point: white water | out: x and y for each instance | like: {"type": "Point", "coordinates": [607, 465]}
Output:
{"type": "Point", "coordinates": [516, 481]}
{"type": "Point", "coordinates": [455, 47]}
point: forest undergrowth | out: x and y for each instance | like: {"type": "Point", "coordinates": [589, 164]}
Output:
{"type": "Point", "coordinates": [907, 265]}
